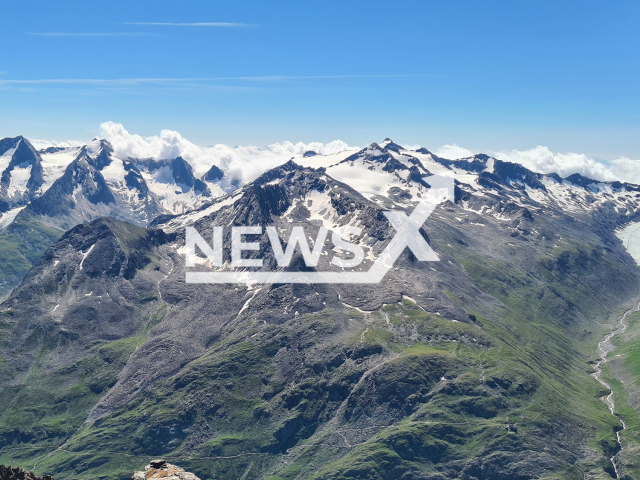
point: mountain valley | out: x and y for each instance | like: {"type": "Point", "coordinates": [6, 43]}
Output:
{"type": "Point", "coordinates": [475, 367]}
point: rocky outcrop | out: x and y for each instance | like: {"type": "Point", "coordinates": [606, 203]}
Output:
{"type": "Point", "coordinates": [16, 473]}
{"type": "Point", "coordinates": [164, 470]}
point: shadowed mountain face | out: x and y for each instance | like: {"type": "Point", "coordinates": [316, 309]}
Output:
{"type": "Point", "coordinates": [213, 174]}
{"type": "Point", "coordinates": [473, 367]}
{"type": "Point", "coordinates": [21, 175]}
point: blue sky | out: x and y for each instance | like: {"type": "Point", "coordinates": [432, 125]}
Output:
{"type": "Point", "coordinates": [487, 75]}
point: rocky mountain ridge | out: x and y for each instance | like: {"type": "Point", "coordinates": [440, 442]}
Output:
{"type": "Point", "coordinates": [473, 367]}
{"type": "Point", "coordinates": [65, 187]}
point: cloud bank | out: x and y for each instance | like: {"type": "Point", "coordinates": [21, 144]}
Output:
{"type": "Point", "coordinates": [242, 163]}
{"type": "Point", "coordinates": [246, 163]}
{"type": "Point", "coordinates": [42, 144]}
{"type": "Point", "coordinates": [542, 160]}
{"type": "Point", "coordinates": [453, 152]}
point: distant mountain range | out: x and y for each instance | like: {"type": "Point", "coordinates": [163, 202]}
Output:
{"type": "Point", "coordinates": [44, 193]}
{"type": "Point", "coordinates": [476, 367]}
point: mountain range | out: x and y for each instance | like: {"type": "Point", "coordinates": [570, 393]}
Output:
{"type": "Point", "coordinates": [44, 193]}
{"type": "Point", "coordinates": [478, 366]}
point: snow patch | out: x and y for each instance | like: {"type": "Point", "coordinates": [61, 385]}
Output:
{"type": "Point", "coordinates": [84, 255]}
{"type": "Point", "coordinates": [630, 236]}
{"type": "Point", "coordinates": [19, 179]}
{"type": "Point", "coordinates": [6, 157]}
{"type": "Point", "coordinates": [7, 217]}
{"type": "Point", "coordinates": [93, 148]}
{"type": "Point", "coordinates": [54, 165]}
{"type": "Point", "coordinates": [193, 217]}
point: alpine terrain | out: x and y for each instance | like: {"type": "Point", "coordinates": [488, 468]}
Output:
{"type": "Point", "coordinates": [479, 366]}
{"type": "Point", "coordinates": [43, 194]}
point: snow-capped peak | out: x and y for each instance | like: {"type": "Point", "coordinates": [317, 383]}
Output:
{"type": "Point", "coordinates": [6, 154]}
{"type": "Point", "coordinates": [21, 172]}
{"type": "Point", "coordinates": [97, 146]}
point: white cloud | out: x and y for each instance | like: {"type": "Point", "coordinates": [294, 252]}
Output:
{"type": "Point", "coordinates": [41, 144]}
{"type": "Point", "coordinates": [542, 160]}
{"type": "Point", "coordinates": [453, 152]}
{"type": "Point", "coordinates": [411, 147]}
{"type": "Point", "coordinates": [626, 169]}
{"type": "Point", "coordinates": [243, 163]}
{"type": "Point", "coordinates": [184, 80]}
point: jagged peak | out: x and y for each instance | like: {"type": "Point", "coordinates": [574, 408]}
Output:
{"type": "Point", "coordinates": [182, 173]}
{"type": "Point", "coordinates": [580, 180]}
{"type": "Point", "coordinates": [373, 151]}
{"type": "Point", "coordinates": [214, 174]}
{"type": "Point", "coordinates": [179, 160]}
{"type": "Point", "coordinates": [96, 153]}
{"type": "Point", "coordinates": [390, 145]}
{"type": "Point", "coordinates": [96, 146]}
{"type": "Point", "coordinates": [24, 147]}
{"type": "Point", "coordinates": [127, 234]}
{"type": "Point", "coordinates": [9, 142]}
{"type": "Point", "coordinates": [281, 171]}
{"type": "Point", "coordinates": [291, 165]}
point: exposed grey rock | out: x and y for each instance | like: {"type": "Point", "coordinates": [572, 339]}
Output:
{"type": "Point", "coordinates": [159, 469]}
{"type": "Point", "coordinates": [24, 156]}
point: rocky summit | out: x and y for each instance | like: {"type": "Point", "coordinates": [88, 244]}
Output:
{"type": "Point", "coordinates": [16, 473]}
{"type": "Point", "coordinates": [160, 469]}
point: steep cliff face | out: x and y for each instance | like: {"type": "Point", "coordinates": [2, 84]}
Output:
{"type": "Point", "coordinates": [21, 173]}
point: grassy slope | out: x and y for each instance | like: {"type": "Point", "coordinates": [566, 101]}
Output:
{"type": "Point", "coordinates": [51, 405]}
{"type": "Point", "coordinates": [529, 342]}
{"type": "Point", "coordinates": [21, 245]}
{"type": "Point", "coordinates": [521, 369]}
{"type": "Point", "coordinates": [519, 385]}
{"type": "Point", "coordinates": [459, 421]}
{"type": "Point", "coordinates": [623, 374]}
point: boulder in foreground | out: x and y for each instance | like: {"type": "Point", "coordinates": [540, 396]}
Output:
{"type": "Point", "coordinates": [164, 470]}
